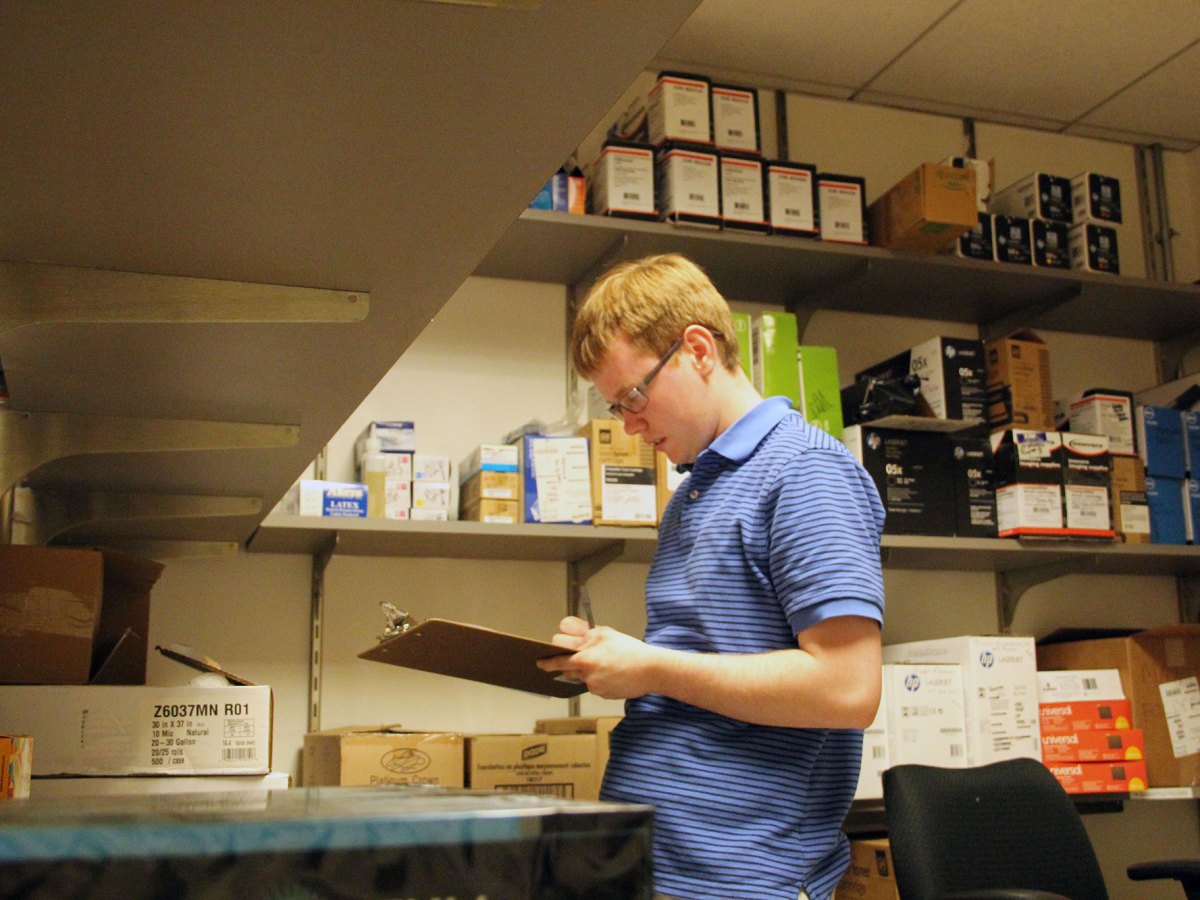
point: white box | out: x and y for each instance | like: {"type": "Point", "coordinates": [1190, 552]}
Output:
{"type": "Point", "coordinates": [1000, 690]}
{"type": "Point", "coordinates": [622, 182]}
{"type": "Point", "coordinates": [429, 514]}
{"type": "Point", "coordinates": [1109, 414]}
{"type": "Point", "coordinates": [920, 720]}
{"type": "Point", "coordinates": [1096, 198]}
{"type": "Point", "coordinates": [427, 467]}
{"type": "Point", "coordinates": [1079, 685]}
{"type": "Point", "coordinates": [678, 109]}
{"type": "Point", "coordinates": [394, 436]}
{"type": "Point", "coordinates": [108, 786]}
{"type": "Point", "coordinates": [435, 494]}
{"type": "Point", "coordinates": [332, 498]}
{"type": "Point", "coordinates": [141, 729]}
{"type": "Point", "coordinates": [490, 458]}
{"type": "Point", "coordinates": [735, 117]}
{"type": "Point", "coordinates": [1036, 196]}
{"type": "Point", "coordinates": [688, 185]}
{"type": "Point", "coordinates": [1093, 248]}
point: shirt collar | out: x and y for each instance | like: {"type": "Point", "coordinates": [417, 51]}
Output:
{"type": "Point", "coordinates": [738, 441]}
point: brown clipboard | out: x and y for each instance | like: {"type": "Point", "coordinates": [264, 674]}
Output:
{"type": "Point", "coordinates": [477, 654]}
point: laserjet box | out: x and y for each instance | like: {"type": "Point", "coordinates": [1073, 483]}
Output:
{"type": "Point", "coordinates": [952, 371]}
{"type": "Point", "coordinates": [912, 472]}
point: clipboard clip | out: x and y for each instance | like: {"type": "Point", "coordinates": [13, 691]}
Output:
{"type": "Point", "coordinates": [398, 620]}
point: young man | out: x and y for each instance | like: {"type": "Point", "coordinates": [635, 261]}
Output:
{"type": "Point", "coordinates": [761, 661]}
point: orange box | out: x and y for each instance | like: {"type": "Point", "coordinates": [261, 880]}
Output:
{"type": "Point", "coordinates": [1101, 777]}
{"type": "Point", "coordinates": [1084, 715]}
{"type": "Point", "coordinates": [1094, 746]}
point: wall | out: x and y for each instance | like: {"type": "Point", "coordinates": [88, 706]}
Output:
{"type": "Point", "coordinates": [494, 358]}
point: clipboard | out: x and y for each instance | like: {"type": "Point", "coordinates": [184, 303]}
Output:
{"type": "Point", "coordinates": [475, 653]}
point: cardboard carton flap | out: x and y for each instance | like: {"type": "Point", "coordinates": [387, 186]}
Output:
{"type": "Point", "coordinates": [194, 660]}
{"type": "Point", "coordinates": [1070, 635]}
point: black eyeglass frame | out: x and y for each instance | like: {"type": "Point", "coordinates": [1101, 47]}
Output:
{"type": "Point", "coordinates": [634, 400]}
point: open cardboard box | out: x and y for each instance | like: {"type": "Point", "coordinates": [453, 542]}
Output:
{"type": "Point", "coordinates": [74, 615]}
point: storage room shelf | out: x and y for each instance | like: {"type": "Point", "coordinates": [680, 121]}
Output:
{"type": "Point", "coordinates": [569, 543]}
{"type": "Point", "coordinates": [802, 274]}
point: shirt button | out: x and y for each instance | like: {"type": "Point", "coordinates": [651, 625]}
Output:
{"type": "Point", "coordinates": [693, 495]}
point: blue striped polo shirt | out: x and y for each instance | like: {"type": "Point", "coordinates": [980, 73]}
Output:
{"type": "Point", "coordinates": [776, 528]}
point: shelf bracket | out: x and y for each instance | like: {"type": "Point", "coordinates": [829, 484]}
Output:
{"type": "Point", "coordinates": [35, 293]}
{"type": "Point", "coordinates": [1027, 316]}
{"type": "Point", "coordinates": [53, 513]}
{"type": "Point", "coordinates": [1012, 585]}
{"type": "Point", "coordinates": [1171, 353]}
{"type": "Point", "coordinates": [29, 440]}
{"type": "Point", "coordinates": [320, 562]}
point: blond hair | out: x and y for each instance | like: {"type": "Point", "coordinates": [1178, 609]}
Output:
{"type": "Point", "coordinates": [650, 301]}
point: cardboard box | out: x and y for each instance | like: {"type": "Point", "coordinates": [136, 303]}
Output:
{"type": "Point", "coordinates": [490, 486]}
{"type": "Point", "coordinates": [1087, 481]}
{"type": "Point", "coordinates": [925, 211]}
{"type": "Point", "coordinates": [1066, 717]}
{"type": "Point", "coordinates": [842, 208]}
{"type": "Point", "coordinates": [332, 498]}
{"type": "Point", "coordinates": [973, 471]}
{"type": "Point", "coordinates": [497, 512]}
{"type": "Point", "coordinates": [142, 729]}
{"type": "Point", "coordinates": [678, 108]}
{"type": "Point", "coordinates": [557, 765]}
{"type": "Point", "coordinates": [952, 372]}
{"type": "Point", "coordinates": [1000, 689]}
{"type": "Point", "coordinates": [735, 118]}
{"type": "Point", "coordinates": [1101, 777]}
{"type": "Point", "coordinates": [774, 352]}
{"type": "Point", "coordinates": [1096, 198]}
{"type": "Point", "coordinates": [1093, 248]}
{"type": "Point", "coordinates": [1106, 412]}
{"type": "Point", "coordinates": [16, 766]}
{"type": "Point", "coordinates": [1018, 381]}
{"type": "Point", "coordinates": [1012, 240]}
{"type": "Point", "coordinates": [383, 754]}
{"type": "Point", "coordinates": [622, 181]}
{"type": "Point", "coordinates": [1159, 669]}
{"type": "Point", "coordinates": [1094, 746]}
{"type": "Point", "coordinates": [1029, 482]}
{"type": "Point", "coordinates": [600, 726]}
{"type": "Point", "coordinates": [743, 197]}
{"type": "Point", "coordinates": [913, 474]}
{"type": "Point", "coordinates": [1130, 511]}
{"type": "Point", "coordinates": [1038, 195]}
{"type": "Point", "coordinates": [871, 875]}
{"type": "Point", "coordinates": [622, 475]}
{"type": "Point", "coordinates": [820, 388]}
{"type": "Point", "coordinates": [1068, 685]}
{"type": "Point", "coordinates": [985, 178]}
{"type": "Point", "coordinates": [74, 616]}
{"type": "Point", "coordinates": [490, 458]}
{"type": "Point", "coordinates": [792, 198]}
{"type": "Point", "coordinates": [557, 485]}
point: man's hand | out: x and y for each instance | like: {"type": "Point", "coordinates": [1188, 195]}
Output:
{"type": "Point", "coordinates": [614, 665]}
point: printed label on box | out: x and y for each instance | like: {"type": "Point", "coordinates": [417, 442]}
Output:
{"type": "Point", "coordinates": [1181, 706]}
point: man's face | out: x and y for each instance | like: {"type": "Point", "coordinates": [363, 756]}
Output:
{"type": "Point", "coordinates": [673, 419]}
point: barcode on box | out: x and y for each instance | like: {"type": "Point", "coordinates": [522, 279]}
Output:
{"type": "Point", "coordinates": [1091, 684]}
{"type": "Point", "coordinates": [237, 754]}
{"type": "Point", "coordinates": [566, 791]}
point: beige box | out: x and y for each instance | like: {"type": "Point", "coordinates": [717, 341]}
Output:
{"type": "Point", "coordinates": [1159, 669]}
{"type": "Point", "coordinates": [490, 486]}
{"type": "Point", "coordinates": [1018, 380]}
{"type": "Point", "coordinates": [600, 726]}
{"type": "Point", "coordinates": [871, 875]}
{"type": "Point", "coordinates": [927, 210]}
{"type": "Point", "coordinates": [494, 511]}
{"type": "Point", "coordinates": [558, 765]}
{"type": "Point", "coordinates": [1130, 513]}
{"type": "Point", "coordinates": [622, 474]}
{"type": "Point", "coordinates": [382, 754]}
{"type": "Point", "coordinates": [142, 730]}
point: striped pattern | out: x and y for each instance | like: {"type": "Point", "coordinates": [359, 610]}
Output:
{"type": "Point", "coordinates": [777, 528]}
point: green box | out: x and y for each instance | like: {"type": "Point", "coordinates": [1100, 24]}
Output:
{"type": "Point", "coordinates": [741, 330]}
{"type": "Point", "coordinates": [820, 388]}
{"type": "Point", "coordinates": [773, 354]}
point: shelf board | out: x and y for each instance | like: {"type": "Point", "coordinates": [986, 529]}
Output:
{"type": "Point", "coordinates": [281, 533]}
{"type": "Point", "coordinates": [799, 273]}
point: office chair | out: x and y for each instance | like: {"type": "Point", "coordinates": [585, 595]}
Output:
{"type": "Point", "coordinates": [1004, 831]}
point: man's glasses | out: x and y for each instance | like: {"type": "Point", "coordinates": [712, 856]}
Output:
{"type": "Point", "coordinates": [634, 400]}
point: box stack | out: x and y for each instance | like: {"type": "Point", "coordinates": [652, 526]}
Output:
{"type": "Point", "coordinates": [622, 475]}
{"type": "Point", "coordinates": [1018, 383]}
{"type": "Point", "coordinates": [384, 455]}
{"type": "Point", "coordinates": [1158, 673]}
{"type": "Point", "coordinates": [1163, 446]}
{"type": "Point", "coordinates": [1096, 202]}
{"type": "Point", "coordinates": [1031, 221]}
{"type": "Point", "coordinates": [1086, 739]}
{"type": "Point", "coordinates": [432, 488]}
{"type": "Point", "coordinates": [1110, 413]}
{"type": "Point", "coordinates": [490, 488]}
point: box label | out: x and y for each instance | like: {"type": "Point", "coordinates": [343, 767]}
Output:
{"type": "Point", "coordinates": [1181, 706]}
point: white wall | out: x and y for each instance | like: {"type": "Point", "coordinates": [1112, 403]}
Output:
{"type": "Point", "coordinates": [494, 358]}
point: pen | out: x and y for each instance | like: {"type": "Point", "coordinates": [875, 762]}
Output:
{"type": "Point", "coordinates": [586, 603]}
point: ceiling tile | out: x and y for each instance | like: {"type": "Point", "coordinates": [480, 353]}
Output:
{"type": "Point", "coordinates": [823, 42]}
{"type": "Point", "coordinates": [1162, 103]}
{"type": "Point", "coordinates": [941, 107]}
{"type": "Point", "coordinates": [1052, 60]}
{"type": "Point", "coordinates": [1122, 136]}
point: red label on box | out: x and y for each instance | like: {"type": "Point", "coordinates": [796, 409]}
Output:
{"type": "Point", "coordinates": [1101, 777]}
{"type": "Point", "coordinates": [1107, 745]}
{"type": "Point", "coordinates": [1085, 715]}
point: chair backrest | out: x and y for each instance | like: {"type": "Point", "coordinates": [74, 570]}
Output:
{"type": "Point", "coordinates": [1004, 825]}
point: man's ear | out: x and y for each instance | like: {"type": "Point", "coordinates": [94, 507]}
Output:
{"type": "Point", "coordinates": [701, 346]}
